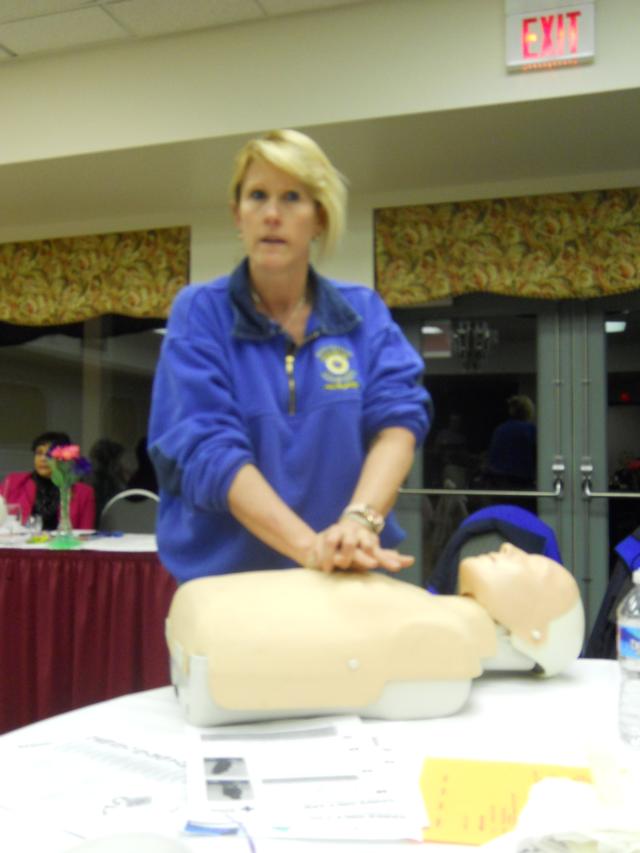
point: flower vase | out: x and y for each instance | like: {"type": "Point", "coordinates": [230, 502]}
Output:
{"type": "Point", "coordinates": [63, 537]}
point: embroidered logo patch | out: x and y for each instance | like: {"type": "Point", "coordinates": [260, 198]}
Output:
{"type": "Point", "coordinates": [338, 373]}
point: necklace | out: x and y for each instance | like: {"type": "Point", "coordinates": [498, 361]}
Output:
{"type": "Point", "coordinates": [283, 322]}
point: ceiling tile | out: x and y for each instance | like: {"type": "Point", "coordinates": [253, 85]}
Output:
{"type": "Point", "coordinates": [60, 31]}
{"type": "Point", "coordinates": [17, 10]}
{"type": "Point", "coordinates": [40, 26]}
{"type": "Point", "coordinates": [157, 17]}
{"type": "Point", "coordinates": [289, 7]}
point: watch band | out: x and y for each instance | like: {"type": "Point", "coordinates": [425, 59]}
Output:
{"type": "Point", "coordinates": [366, 515]}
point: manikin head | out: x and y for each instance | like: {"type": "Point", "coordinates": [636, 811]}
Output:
{"type": "Point", "coordinates": [534, 598]}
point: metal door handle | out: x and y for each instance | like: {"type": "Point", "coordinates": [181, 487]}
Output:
{"type": "Point", "coordinates": [586, 469]}
{"type": "Point", "coordinates": [557, 491]}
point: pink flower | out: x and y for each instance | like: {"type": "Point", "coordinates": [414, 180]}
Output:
{"type": "Point", "coordinates": [65, 452]}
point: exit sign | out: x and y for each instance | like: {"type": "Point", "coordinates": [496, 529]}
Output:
{"type": "Point", "coordinates": [539, 35]}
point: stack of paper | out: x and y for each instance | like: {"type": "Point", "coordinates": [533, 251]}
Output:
{"type": "Point", "coordinates": [322, 778]}
{"type": "Point", "coordinates": [95, 785]}
{"type": "Point", "coordinates": [471, 802]}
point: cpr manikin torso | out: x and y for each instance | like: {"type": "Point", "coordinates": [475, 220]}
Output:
{"type": "Point", "coordinates": [260, 645]}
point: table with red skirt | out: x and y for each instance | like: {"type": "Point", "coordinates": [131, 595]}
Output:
{"type": "Point", "coordinates": [80, 626]}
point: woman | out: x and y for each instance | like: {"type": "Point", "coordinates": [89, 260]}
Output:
{"type": "Point", "coordinates": [512, 449]}
{"type": "Point", "coordinates": [286, 407]}
{"type": "Point", "coordinates": [37, 495]}
{"type": "Point", "coordinates": [511, 458]}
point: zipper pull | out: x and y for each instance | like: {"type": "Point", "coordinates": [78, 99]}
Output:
{"type": "Point", "coordinates": [289, 363]}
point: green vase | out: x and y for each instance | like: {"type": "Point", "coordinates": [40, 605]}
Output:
{"type": "Point", "coordinates": [63, 537]}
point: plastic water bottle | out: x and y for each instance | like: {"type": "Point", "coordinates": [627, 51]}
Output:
{"type": "Point", "coordinates": [629, 657]}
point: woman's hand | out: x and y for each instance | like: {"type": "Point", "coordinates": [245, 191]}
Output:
{"type": "Point", "coordinates": [347, 544]}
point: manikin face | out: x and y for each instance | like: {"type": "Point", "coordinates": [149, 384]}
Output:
{"type": "Point", "coordinates": [513, 560]}
{"type": "Point", "coordinates": [277, 219]}
{"type": "Point", "coordinates": [523, 592]}
{"type": "Point", "coordinates": [41, 460]}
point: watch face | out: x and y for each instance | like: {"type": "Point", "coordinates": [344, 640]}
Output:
{"type": "Point", "coordinates": [375, 520]}
{"type": "Point", "coordinates": [367, 515]}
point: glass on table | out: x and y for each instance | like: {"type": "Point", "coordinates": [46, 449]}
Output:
{"type": "Point", "coordinates": [14, 518]}
{"type": "Point", "coordinates": [33, 525]}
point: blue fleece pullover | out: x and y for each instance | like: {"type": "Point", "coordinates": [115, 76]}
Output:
{"type": "Point", "coordinates": [231, 388]}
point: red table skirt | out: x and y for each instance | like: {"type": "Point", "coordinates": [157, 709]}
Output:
{"type": "Point", "coordinates": [78, 627]}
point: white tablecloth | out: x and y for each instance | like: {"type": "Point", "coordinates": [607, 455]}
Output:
{"type": "Point", "coordinates": [90, 541]}
{"type": "Point", "coordinates": [510, 718]}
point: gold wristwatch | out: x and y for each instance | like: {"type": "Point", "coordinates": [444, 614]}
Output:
{"type": "Point", "coordinates": [366, 515]}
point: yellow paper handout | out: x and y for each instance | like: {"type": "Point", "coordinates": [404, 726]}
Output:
{"type": "Point", "coordinates": [471, 802]}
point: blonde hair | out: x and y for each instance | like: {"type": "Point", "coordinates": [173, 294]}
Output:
{"type": "Point", "coordinates": [298, 155]}
{"type": "Point", "coordinates": [521, 407]}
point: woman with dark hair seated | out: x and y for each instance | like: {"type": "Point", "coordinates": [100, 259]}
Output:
{"type": "Point", "coordinates": [37, 495]}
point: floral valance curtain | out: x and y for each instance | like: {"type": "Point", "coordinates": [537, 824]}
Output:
{"type": "Point", "coordinates": [565, 246]}
{"type": "Point", "coordinates": [72, 279]}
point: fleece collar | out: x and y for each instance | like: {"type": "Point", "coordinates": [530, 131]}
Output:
{"type": "Point", "coordinates": [331, 315]}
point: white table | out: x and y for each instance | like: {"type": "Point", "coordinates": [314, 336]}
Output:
{"type": "Point", "coordinates": [89, 541]}
{"type": "Point", "coordinates": [514, 718]}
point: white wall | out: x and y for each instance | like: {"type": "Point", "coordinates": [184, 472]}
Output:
{"type": "Point", "coordinates": [349, 64]}
{"type": "Point", "coordinates": [359, 62]}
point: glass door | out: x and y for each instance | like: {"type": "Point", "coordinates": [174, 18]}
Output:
{"type": "Point", "coordinates": [481, 356]}
{"type": "Point", "coordinates": [537, 404]}
{"type": "Point", "coordinates": [622, 326]}
{"type": "Point", "coordinates": [610, 460]}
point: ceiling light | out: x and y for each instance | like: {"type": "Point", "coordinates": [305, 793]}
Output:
{"type": "Point", "coordinates": [613, 326]}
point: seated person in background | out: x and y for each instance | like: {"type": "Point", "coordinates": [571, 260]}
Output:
{"type": "Point", "coordinates": [108, 475]}
{"type": "Point", "coordinates": [144, 477]}
{"type": "Point", "coordinates": [37, 495]}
